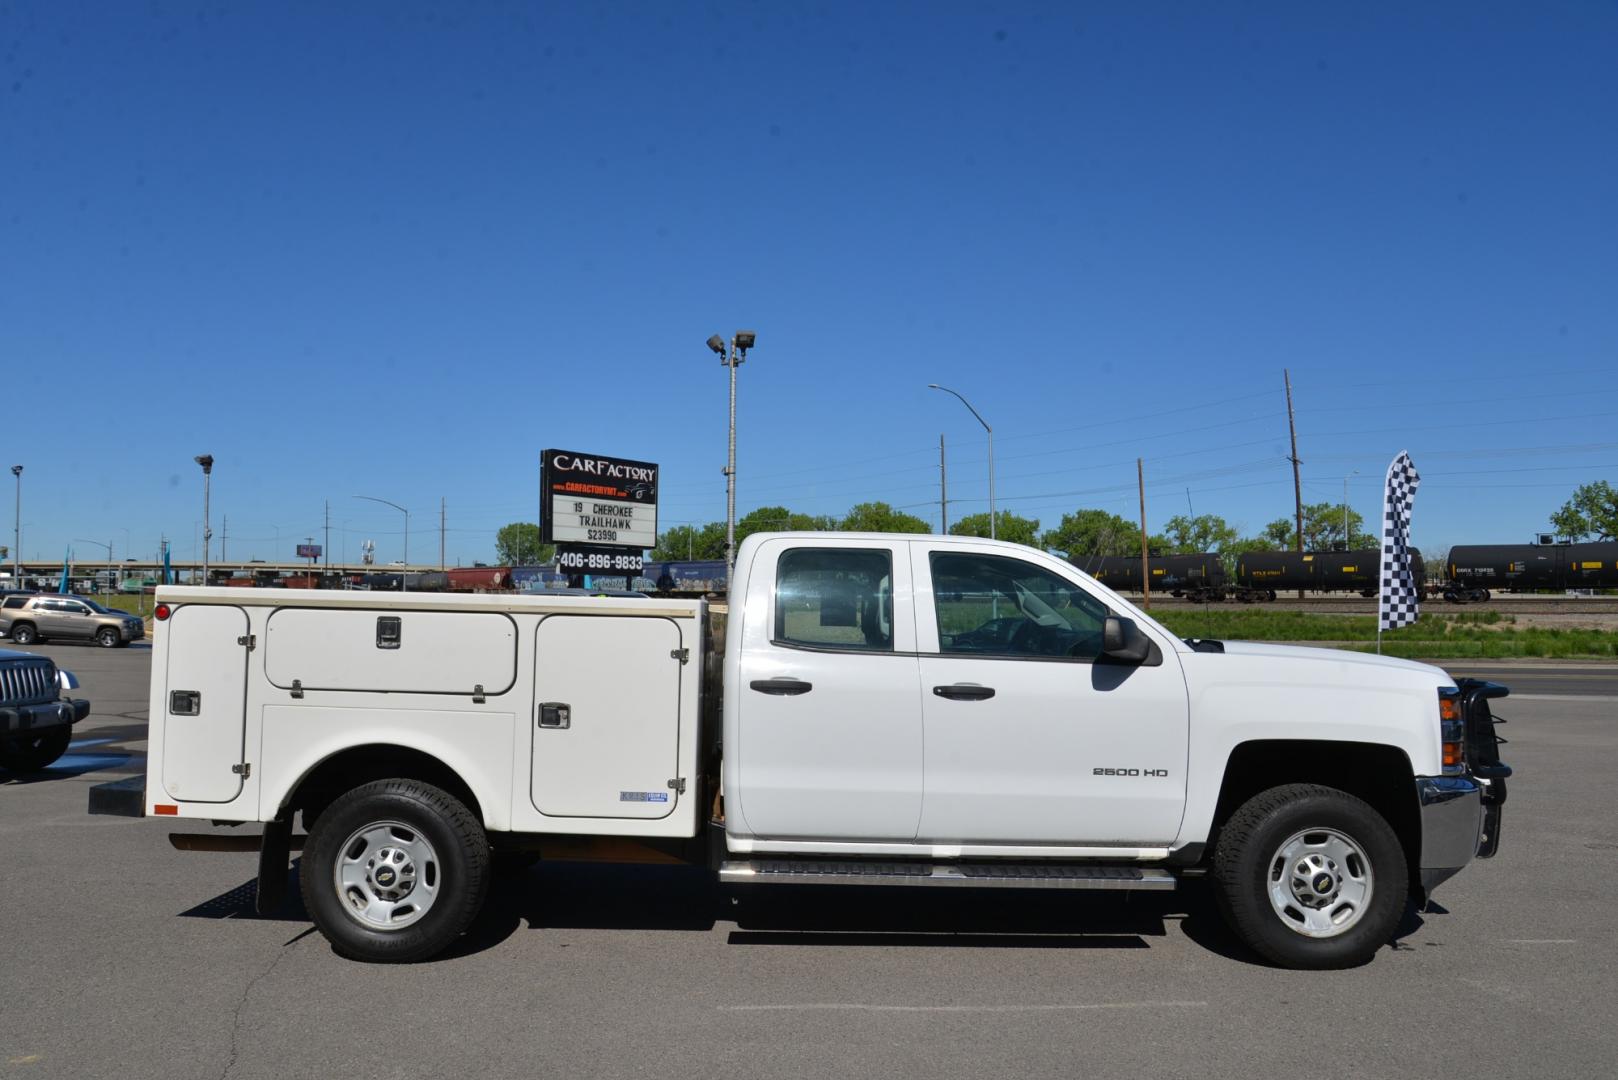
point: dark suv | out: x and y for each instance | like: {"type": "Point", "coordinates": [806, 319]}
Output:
{"type": "Point", "coordinates": [61, 617]}
{"type": "Point", "coordinates": [36, 721]}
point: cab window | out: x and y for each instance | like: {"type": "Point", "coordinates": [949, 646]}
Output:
{"type": "Point", "coordinates": [997, 606]}
{"type": "Point", "coordinates": [835, 598]}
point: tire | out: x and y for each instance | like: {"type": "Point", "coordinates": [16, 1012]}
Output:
{"type": "Point", "coordinates": [108, 638]}
{"type": "Point", "coordinates": [34, 751]}
{"type": "Point", "coordinates": [394, 871]}
{"type": "Point", "coordinates": [24, 634]}
{"type": "Point", "coordinates": [1310, 877]}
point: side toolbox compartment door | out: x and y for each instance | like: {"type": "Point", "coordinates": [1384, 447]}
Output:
{"type": "Point", "coordinates": [606, 718]}
{"type": "Point", "coordinates": [205, 703]}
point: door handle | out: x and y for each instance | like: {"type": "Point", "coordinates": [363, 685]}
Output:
{"type": "Point", "coordinates": [965, 692]}
{"type": "Point", "coordinates": [781, 687]}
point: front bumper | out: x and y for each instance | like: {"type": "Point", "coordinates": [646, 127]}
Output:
{"type": "Point", "coordinates": [48, 714]}
{"type": "Point", "coordinates": [1460, 820]}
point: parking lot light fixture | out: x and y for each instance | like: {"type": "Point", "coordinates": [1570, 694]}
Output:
{"type": "Point", "coordinates": [16, 540]}
{"type": "Point", "coordinates": [740, 342]}
{"type": "Point", "coordinates": [404, 578]}
{"type": "Point", "coordinates": [206, 461]}
{"type": "Point", "coordinates": [990, 430]}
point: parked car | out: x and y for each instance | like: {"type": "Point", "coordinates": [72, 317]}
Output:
{"type": "Point", "coordinates": [36, 721]}
{"type": "Point", "coordinates": [64, 617]}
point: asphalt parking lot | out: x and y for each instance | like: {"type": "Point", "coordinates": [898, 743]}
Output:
{"type": "Point", "coordinates": [121, 957]}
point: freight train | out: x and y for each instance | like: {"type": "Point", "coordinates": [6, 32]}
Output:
{"type": "Point", "coordinates": [1201, 578]}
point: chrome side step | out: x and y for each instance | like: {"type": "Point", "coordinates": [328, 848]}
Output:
{"type": "Point", "coordinates": [969, 875]}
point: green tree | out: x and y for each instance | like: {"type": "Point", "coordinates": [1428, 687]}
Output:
{"type": "Point", "coordinates": [1322, 529]}
{"type": "Point", "coordinates": [1592, 511]}
{"type": "Point", "coordinates": [880, 517]}
{"type": "Point", "coordinates": [518, 544]}
{"type": "Point", "coordinates": [682, 542]}
{"type": "Point", "coordinates": [1085, 533]}
{"type": "Point", "coordinates": [1193, 535]}
{"type": "Point", "coordinates": [1007, 526]}
{"type": "Point", "coordinates": [780, 519]}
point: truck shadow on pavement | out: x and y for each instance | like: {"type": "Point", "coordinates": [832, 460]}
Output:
{"type": "Point", "coordinates": [588, 896]}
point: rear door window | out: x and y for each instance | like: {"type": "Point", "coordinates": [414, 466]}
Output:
{"type": "Point", "coordinates": [835, 598]}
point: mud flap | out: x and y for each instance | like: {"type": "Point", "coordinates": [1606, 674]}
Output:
{"type": "Point", "coordinates": [272, 865]}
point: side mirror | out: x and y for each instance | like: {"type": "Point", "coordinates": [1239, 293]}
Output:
{"type": "Point", "coordinates": [1121, 639]}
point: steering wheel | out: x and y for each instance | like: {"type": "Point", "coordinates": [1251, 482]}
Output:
{"type": "Point", "coordinates": [1026, 638]}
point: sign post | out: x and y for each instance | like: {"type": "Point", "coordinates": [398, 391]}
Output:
{"type": "Point", "coordinates": [600, 512]}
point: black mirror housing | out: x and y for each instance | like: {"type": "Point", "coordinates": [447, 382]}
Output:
{"type": "Point", "coordinates": [1121, 639]}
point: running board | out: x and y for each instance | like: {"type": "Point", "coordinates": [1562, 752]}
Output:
{"type": "Point", "coordinates": [968, 875]}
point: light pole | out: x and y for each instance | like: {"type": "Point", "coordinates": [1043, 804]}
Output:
{"type": "Point", "coordinates": [1348, 541]}
{"type": "Point", "coordinates": [206, 461]}
{"type": "Point", "coordinates": [990, 430]}
{"type": "Point", "coordinates": [99, 544]}
{"type": "Point", "coordinates": [739, 344]}
{"type": "Point", "coordinates": [404, 578]}
{"type": "Point", "coordinates": [16, 554]}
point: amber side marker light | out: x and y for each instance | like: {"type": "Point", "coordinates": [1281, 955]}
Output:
{"type": "Point", "coordinates": [1452, 728]}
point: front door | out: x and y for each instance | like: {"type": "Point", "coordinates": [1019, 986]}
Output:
{"type": "Point", "coordinates": [828, 728]}
{"type": "Point", "coordinates": [1033, 737]}
{"type": "Point", "coordinates": [204, 703]}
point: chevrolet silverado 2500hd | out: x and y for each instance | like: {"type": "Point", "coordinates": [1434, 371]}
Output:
{"type": "Point", "coordinates": [892, 710]}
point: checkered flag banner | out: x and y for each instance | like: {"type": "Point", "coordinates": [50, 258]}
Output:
{"type": "Point", "coordinates": [1400, 604]}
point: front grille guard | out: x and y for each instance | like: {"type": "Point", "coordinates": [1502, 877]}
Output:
{"type": "Point", "coordinates": [1483, 755]}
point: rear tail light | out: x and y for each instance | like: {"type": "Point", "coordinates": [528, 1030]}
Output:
{"type": "Point", "coordinates": [1452, 733]}
{"type": "Point", "coordinates": [162, 612]}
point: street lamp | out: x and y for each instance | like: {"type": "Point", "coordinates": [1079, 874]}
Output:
{"type": "Point", "coordinates": [16, 554]}
{"type": "Point", "coordinates": [206, 461]}
{"type": "Point", "coordinates": [404, 578]}
{"type": "Point", "coordinates": [990, 430]}
{"type": "Point", "coordinates": [97, 543]}
{"type": "Point", "coordinates": [1348, 541]}
{"type": "Point", "coordinates": [739, 344]}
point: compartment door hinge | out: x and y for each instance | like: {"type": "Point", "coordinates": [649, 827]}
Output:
{"type": "Point", "coordinates": [682, 655]}
{"type": "Point", "coordinates": [477, 695]}
{"type": "Point", "coordinates": [678, 785]}
{"type": "Point", "coordinates": [249, 640]}
{"type": "Point", "coordinates": [244, 770]}
{"type": "Point", "coordinates": [297, 688]}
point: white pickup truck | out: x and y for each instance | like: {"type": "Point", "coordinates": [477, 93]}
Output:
{"type": "Point", "coordinates": [887, 710]}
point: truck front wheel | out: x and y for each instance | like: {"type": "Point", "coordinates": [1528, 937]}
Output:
{"type": "Point", "coordinates": [394, 871]}
{"type": "Point", "coordinates": [1310, 877]}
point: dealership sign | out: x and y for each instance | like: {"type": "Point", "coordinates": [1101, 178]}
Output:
{"type": "Point", "coordinates": [598, 501]}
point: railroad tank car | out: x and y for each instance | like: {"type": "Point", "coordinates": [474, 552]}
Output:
{"type": "Point", "coordinates": [1526, 567]}
{"type": "Point", "coordinates": [1269, 572]}
{"type": "Point", "coordinates": [1200, 576]}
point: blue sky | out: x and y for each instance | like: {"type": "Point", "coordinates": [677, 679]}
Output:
{"type": "Point", "coordinates": [398, 249]}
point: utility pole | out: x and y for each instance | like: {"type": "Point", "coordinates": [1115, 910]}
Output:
{"type": "Point", "coordinates": [441, 511]}
{"type": "Point", "coordinates": [1145, 569]}
{"type": "Point", "coordinates": [1297, 484]}
{"type": "Point", "coordinates": [224, 536]}
{"type": "Point", "coordinates": [943, 489]}
{"type": "Point", "coordinates": [325, 549]}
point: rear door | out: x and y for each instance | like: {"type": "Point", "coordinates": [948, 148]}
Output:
{"type": "Point", "coordinates": [830, 721]}
{"type": "Point", "coordinates": [205, 703]}
{"type": "Point", "coordinates": [606, 718]}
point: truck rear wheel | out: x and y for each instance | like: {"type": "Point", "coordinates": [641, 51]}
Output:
{"type": "Point", "coordinates": [395, 871]}
{"type": "Point", "coordinates": [1310, 877]}
{"type": "Point", "coordinates": [33, 751]}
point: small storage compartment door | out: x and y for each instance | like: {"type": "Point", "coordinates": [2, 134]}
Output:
{"type": "Point", "coordinates": [606, 716]}
{"type": "Point", "coordinates": [204, 703]}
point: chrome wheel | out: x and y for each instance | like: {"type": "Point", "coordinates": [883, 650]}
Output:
{"type": "Point", "coordinates": [387, 875]}
{"type": "Point", "coordinates": [1320, 882]}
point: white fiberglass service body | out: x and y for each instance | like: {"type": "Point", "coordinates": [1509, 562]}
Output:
{"type": "Point", "coordinates": [1068, 758]}
{"type": "Point", "coordinates": [254, 689]}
